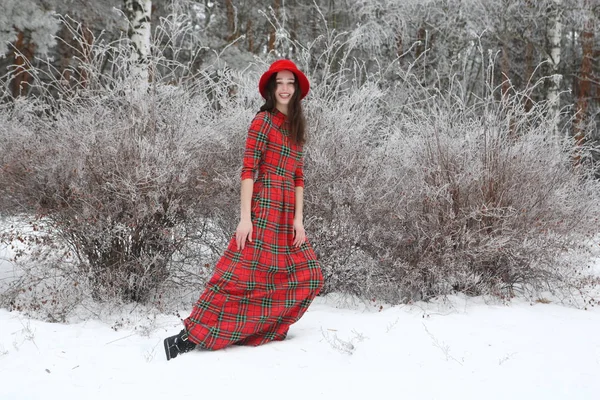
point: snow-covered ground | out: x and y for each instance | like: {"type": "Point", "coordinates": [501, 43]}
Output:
{"type": "Point", "coordinates": [455, 348]}
{"type": "Point", "coordinates": [458, 349]}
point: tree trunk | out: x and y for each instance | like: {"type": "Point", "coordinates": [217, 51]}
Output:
{"type": "Point", "coordinates": [332, 14]}
{"type": "Point", "coordinates": [23, 55]}
{"type": "Point", "coordinates": [250, 35]}
{"type": "Point", "coordinates": [232, 34]}
{"type": "Point", "coordinates": [65, 52]}
{"type": "Point", "coordinates": [138, 13]}
{"type": "Point", "coordinates": [529, 68]}
{"type": "Point", "coordinates": [505, 68]}
{"type": "Point", "coordinates": [585, 76]}
{"type": "Point", "coordinates": [294, 28]}
{"type": "Point", "coordinates": [87, 39]}
{"type": "Point", "coordinates": [554, 34]}
{"type": "Point", "coordinates": [422, 38]}
{"type": "Point", "coordinates": [273, 30]}
{"type": "Point", "coordinates": [399, 43]}
{"type": "Point", "coordinates": [529, 55]}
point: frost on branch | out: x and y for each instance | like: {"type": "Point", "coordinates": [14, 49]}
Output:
{"type": "Point", "coordinates": [411, 191]}
{"type": "Point", "coordinates": [130, 184]}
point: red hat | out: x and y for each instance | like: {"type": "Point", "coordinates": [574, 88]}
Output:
{"type": "Point", "coordinates": [282, 65]}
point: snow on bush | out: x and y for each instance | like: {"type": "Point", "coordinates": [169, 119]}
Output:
{"type": "Point", "coordinates": [416, 193]}
{"type": "Point", "coordinates": [410, 193]}
{"type": "Point", "coordinates": [125, 179]}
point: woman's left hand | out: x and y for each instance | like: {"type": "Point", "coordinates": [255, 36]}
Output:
{"type": "Point", "coordinates": [299, 234]}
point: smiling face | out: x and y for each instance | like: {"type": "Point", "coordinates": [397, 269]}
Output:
{"type": "Point", "coordinates": [284, 90]}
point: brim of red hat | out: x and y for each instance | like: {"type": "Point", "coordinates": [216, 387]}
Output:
{"type": "Point", "coordinates": [302, 79]}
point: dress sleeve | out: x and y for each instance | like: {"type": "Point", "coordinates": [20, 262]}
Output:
{"type": "Point", "coordinates": [256, 143]}
{"type": "Point", "coordinates": [299, 174]}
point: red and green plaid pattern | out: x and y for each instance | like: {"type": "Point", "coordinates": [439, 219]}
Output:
{"type": "Point", "coordinates": [256, 294]}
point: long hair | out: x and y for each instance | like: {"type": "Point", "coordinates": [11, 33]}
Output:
{"type": "Point", "coordinates": [295, 114]}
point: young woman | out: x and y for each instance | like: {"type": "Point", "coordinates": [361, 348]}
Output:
{"type": "Point", "coordinates": [269, 273]}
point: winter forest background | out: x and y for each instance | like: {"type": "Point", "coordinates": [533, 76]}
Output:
{"type": "Point", "coordinates": [453, 144]}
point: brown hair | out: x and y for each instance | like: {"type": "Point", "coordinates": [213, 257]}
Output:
{"type": "Point", "coordinates": [295, 114]}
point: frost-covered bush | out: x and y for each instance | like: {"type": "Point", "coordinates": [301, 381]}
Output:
{"type": "Point", "coordinates": [410, 192]}
{"type": "Point", "coordinates": [117, 177]}
{"type": "Point", "coordinates": [425, 199]}
{"type": "Point", "coordinates": [129, 177]}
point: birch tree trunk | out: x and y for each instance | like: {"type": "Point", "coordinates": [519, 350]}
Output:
{"type": "Point", "coordinates": [554, 34]}
{"type": "Point", "coordinates": [138, 13]}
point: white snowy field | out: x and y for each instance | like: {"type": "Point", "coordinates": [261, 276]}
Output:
{"type": "Point", "coordinates": [458, 349]}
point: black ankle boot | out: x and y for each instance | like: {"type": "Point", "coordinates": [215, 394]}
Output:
{"type": "Point", "coordinates": [177, 344]}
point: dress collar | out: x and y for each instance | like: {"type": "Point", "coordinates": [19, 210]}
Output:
{"type": "Point", "coordinates": [279, 118]}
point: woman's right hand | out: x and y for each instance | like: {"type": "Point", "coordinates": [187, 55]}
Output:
{"type": "Point", "coordinates": [243, 233]}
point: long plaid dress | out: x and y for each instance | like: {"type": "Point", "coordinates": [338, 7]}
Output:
{"type": "Point", "coordinates": [256, 294]}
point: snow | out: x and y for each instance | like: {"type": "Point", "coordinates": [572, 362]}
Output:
{"type": "Point", "coordinates": [453, 348]}
{"type": "Point", "coordinates": [6, 267]}
{"type": "Point", "coordinates": [460, 348]}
